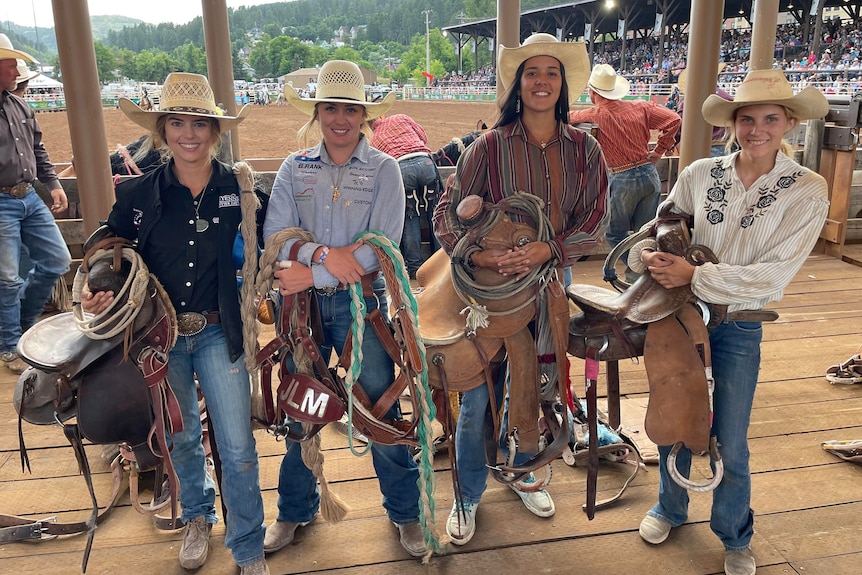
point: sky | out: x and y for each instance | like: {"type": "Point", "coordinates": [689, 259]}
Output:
{"type": "Point", "coordinates": [152, 11]}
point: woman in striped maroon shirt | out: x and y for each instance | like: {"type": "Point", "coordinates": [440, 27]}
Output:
{"type": "Point", "coordinates": [533, 149]}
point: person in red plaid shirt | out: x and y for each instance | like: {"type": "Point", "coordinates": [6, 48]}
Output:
{"type": "Point", "coordinates": [402, 138]}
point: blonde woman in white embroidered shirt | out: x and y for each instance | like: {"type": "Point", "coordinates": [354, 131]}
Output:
{"type": "Point", "coordinates": [761, 213]}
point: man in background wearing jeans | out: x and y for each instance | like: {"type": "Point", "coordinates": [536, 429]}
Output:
{"type": "Point", "coordinates": [624, 134]}
{"type": "Point", "coordinates": [24, 217]}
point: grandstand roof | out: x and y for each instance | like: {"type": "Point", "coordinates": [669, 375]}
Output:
{"type": "Point", "coordinates": [639, 15]}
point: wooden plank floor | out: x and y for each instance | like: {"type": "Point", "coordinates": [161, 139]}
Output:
{"type": "Point", "coordinates": [808, 503]}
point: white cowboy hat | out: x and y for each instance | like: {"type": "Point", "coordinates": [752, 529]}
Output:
{"type": "Point", "coordinates": [606, 83]}
{"type": "Point", "coordinates": [25, 74]}
{"type": "Point", "coordinates": [340, 81]}
{"type": "Point", "coordinates": [7, 51]}
{"type": "Point", "coordinates": [766, 87]}
{"type": "Point", "coordinates": [185, 94]}
{"type": "Point", "coordinates": [572, 55]}
{"type": "Point", "coordinates": [683, 77]}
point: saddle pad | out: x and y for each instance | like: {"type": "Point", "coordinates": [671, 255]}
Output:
{"type": "Point", "coordinates": [56, 344]}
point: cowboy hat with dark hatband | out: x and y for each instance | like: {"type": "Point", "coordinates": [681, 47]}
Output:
{"type": "Point", "coordinates": [185, 94]}
{"type": "Point", "coordinates": [341, 82]}
{"type": "Point", "coordinates": [605, 82]}
{"type": "Point", "coordinates": [572, 55]}
{"type": "Point", "coordinates": [7, 51]}
{"type": "Point", "coordinates": [25, 74]}
{"type": "Point", "coordinates": [766, 87]}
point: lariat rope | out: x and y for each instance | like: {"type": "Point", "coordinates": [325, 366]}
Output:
{"type": "Point", "coordinates": [383, 246]}
{"type": "Point", "coordinates": [332, 507]}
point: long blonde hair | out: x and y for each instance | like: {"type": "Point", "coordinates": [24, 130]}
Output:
{"type": "Point", "coordinates": [732, 144]}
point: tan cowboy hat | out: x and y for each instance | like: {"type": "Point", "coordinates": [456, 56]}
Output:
{"type": "Point", "coordinates": [766, 87]}
{"type": "Point", "coordinates": [605, 82]}
{"type": "Point", "coordinates": [340, 81]}
{"type": "Point", "coordinates": [7, 51]}
{"type": "Point", "coordinates": [185, 94]}
{"type": "Point", "coordinates": [572, 55]}
{"type": "Point", "coordinates": [25, 74]}
{"type": "Point", "coordinates": [683, 76]}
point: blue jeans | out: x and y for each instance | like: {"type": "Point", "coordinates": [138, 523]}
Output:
{"type": "Point", "coordinates": [298, 496]}
{"type": "Point", "coordinates": [735, 348]}
{"type": "Point", "coordinates": [27, 221]}
{"type": "Point", "coordinates": [422, 179]}
{"type": "Point", "coordinates": [226, 389]}
{"type": "Point", "coordinates": [634, 199]}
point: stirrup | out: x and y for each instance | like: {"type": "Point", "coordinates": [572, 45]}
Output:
{"type": "Point", "coordinates": [702, 486]}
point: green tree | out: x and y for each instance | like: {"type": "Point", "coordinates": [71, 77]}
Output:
{"type": "Point", "coordinates": [127, 62]}
{"type": "Point", "coordinates": [154, 66]}
{"type": "Point", "coordinates": [190, 58]}
{"type": "Point", "coordinates": [106, 63]}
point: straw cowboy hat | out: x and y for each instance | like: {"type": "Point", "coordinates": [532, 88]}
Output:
{"type": "Point", "coordinates": [683, 76]}
{"type": "Point", "coordinates": [341, 82]}
{"type": "Point", "coordinates": [7, 51]}
{"type": "Point", "coordinates": [25, 74]}
{"type": "Point", "coordinates": [605, 82]}
{"type": "Point", "coordinates": [766, 87]}
{"type": "Point", "coordinates": [186, 94]}
{"type": "Point", "coordinates": [572, 55]}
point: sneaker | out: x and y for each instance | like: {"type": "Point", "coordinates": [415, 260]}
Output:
{"type": "Point", "coordinates": [461, 525]}
{"type": "Point", "coordinates": [280, 534]}
{"type": "Point", "coordinates": [257, 568]}
{"type": "Point", "coordinates": [412, 539]}
{"type": "Point", "coordinates": [739, 562]}
{"type": "Point", "coordinates": [12, 362]}
{"type": "Point", "coordinates": [654, 530]}
{"type": "Point", "coordinates": [538, 502]}
{"type": "Point", "coordinates": [196, 543]}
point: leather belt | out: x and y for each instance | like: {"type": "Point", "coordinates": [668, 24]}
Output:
{"type": "Point", "coordinates": [627, 167]}
{"type": "Point", "coordinates": [412, 155]}
{"type": "Point", "coordinates": [193, 322]}
{"type": "Point", "coordinates": [753, 315]}
{"type": "Point", "coordinates": [19, 190]}
{"type": "Point", "coordinates": [367, 289]}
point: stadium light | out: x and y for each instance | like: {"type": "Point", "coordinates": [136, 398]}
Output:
{"type": "Point", "coordinates": [609, 4]}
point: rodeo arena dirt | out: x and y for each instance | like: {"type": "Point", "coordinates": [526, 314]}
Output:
{"type": "Point", "coordinates": [805, 460]}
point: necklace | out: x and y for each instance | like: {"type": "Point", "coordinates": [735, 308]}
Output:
{"type": "Point", "coordinates": [201, 225]}
{"type": "Point", "coordinates": [336, 182]}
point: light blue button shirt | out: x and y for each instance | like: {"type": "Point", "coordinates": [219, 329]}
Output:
{"type": "Point", "coordinates": [370, 197]}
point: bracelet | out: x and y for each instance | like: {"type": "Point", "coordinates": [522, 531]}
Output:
{"type": "Point", "coordinates": [323, 253]}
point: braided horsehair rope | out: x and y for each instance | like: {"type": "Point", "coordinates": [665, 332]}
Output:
{"type": "Point", "coordinates": [384, 247]}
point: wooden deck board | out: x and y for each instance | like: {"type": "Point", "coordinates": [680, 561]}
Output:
{"type": "Point", "coordinates": [807, 502]}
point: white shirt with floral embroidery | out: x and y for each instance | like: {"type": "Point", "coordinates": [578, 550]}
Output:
{"type": "Point", "coordinates": [761, 236]}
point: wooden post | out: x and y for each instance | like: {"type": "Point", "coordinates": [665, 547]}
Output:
{"type": "Point", "coordinates": [220, 64]}
{"type": "Point", "coordinates": [84, 105]}
{"type": "Point", "coordinates": [813, 144]}
{"type": "Point", "coordinates": [837, 167]}
{"type": "Point", "coordinates": [508, 31]}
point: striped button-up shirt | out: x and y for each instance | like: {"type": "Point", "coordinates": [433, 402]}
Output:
{"type": "Point", "coordinates": [761, 235]}
{"type": "Point", "coordinates": [569, 174]}
{"type": "Point", "coordinates": [624, 128]}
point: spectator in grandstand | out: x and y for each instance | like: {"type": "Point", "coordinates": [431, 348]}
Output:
{"type": "Point", "coordinates": [624, 134]}
{"type": "Point", "coordinates": [402, 138]}
{"type": "Point", "coordinates": [532, 150]}
{"type": "Point", "coordinates": [761, 213]}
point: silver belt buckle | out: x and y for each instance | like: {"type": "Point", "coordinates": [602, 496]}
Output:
{"type": "Point", "coordinates": [326, 291]}
{"type": "Point", "coordinates": [190, 323]}
{"type": "Point", "coordinates": [19, 190]}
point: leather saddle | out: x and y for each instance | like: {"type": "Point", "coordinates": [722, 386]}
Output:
{"type": "Point", "coordinates": [114, 386]}
{"type": "Point", "coordinates": [463, 354]}
{"type": "Point", "coordinates": [662, 325]}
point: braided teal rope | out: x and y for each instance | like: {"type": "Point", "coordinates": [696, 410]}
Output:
{"type": "Point", "coordinates": [427, 410]}
{"type": "Point", "coordinates": [357, 330]}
